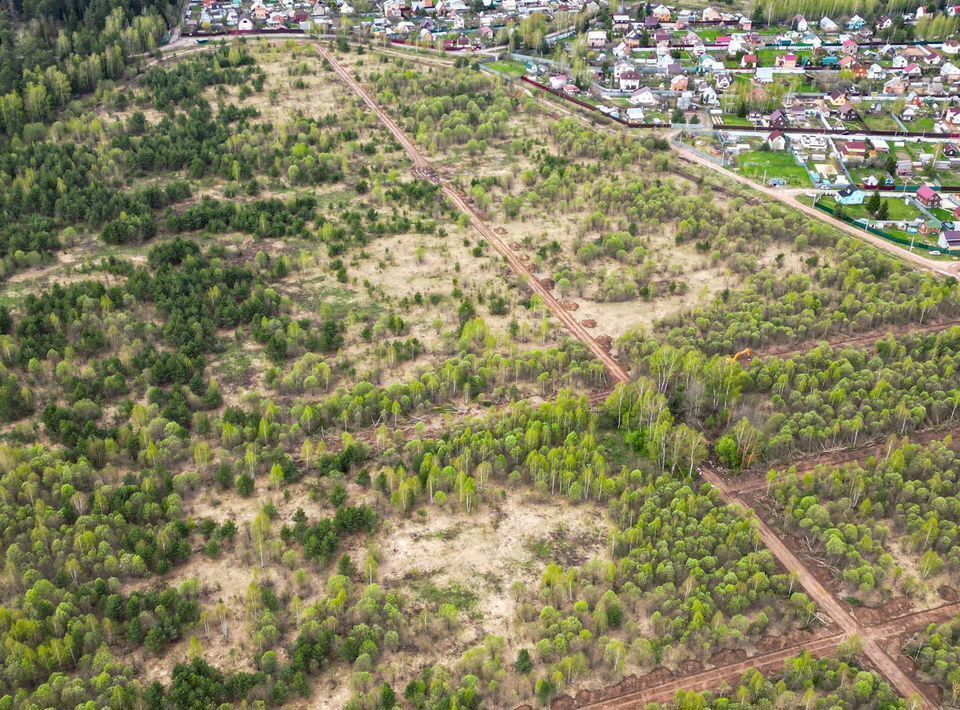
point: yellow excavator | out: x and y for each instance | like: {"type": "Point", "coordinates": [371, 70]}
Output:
{"type": "Point", "coordinates": [746, 352]}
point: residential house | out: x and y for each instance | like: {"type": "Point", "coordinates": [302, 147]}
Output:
{"type": "Point", "coordinates": [571, 90]}
{"type": "Point", "coordinates": [777, 141]}
{"type": "Point", "coordinates": [630, 80]}
{"type": "Point", "coordinates": [764, 75]}
{"type": "Point", "coordinates": [847, 61]}
{"type": "Point", "coordinates": [708, 95]}
{"type": "Point", "coordinates": [650, 23]}
{"type": "Point", "coordinates": [749, 61]}
{"type": "Point", "coordinates": [644, 97]}
{"type": "Point", "coordinates": [952, 116]}
{"type": "Point", "coordinates": [871, 181]}
{"type": "Point", "coordinates": [895, 86]}
{"type": "Point", "coordinates": [679, 83]}
{"type": "Point", "coordinates": [876, 71]}
{"type": "Point", "coordinates": [950, 72]}
{"type": "Point", "coordinates": [828, 25]}
{"type": "Point", "coordinates": [884, 23]}
{"type": "Point", "coordinates": [928, 197]}
{"type": "Point", "coordinates": [899, 61]}
{"type": "Point", "coordinates": [745, 23]}
{"type": "Point", "coordinates": [856, 23]}
{"type": "Point", "coordinates": [849, 113]}
{"type": "Point", "coordinates": [661, 12]}
{"type": "Point", "coordinates": [723, 81]}
{"type": "Point", "coordinates": [836, 98]}
{"type": "Point", "coordinates": [949, 240]}
{"type": "Point", "coordinates": [778, 119]}
{"type": "Point", "coordinates": [245, 25]}
{"type": "Point", "coordinates": [913, 71]}
{"type": "Point", "coordinates": [557, 81]}
{"type": "Point", "coordinates": [853, 151]}
{"type": "Point", "coordinates": [786, 61]}
{"type": "Point", "coordinates": [621, 67]}
{"type": "Point", "coordinates": [621, 23]}
{"type": "Point", "coordinates": [709, 63]}
{"type": "Point", "coordinates": [635, 115]}
{"type": "Point", "coordinates": [709, 14]}
{"type": "Point", "coordinates": [800, 24]}
{"type": "Point", "coordinates": [596, 39]}
{"type": "Point", "coordinates": [879, 145]}
{"type": "Point", "coordinates": [850, 196]}
{"type": "Point", "coordinates": [951, 47]}
{"type": "Point", "coordinates": [850, 47]}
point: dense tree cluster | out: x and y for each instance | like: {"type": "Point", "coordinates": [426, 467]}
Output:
{"type": "Point", "coordinates": [858, 516]}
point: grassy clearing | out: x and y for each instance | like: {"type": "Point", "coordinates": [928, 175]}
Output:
{"type": "Point", "coordinates": [762, 165]}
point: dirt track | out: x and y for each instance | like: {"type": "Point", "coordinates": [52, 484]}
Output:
{"type": "Point", "coordinates": [879, 658]}
{"type": "Point", "coordinates": [423, 169]}
{"type": "Point", "coordinates": [819, 594]}
{"type": "Point", "coordinates": [772, 663]}
{"type": "Point", "coordinates": [865, 339]}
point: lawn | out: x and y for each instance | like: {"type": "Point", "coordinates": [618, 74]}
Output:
{"type": "Point", "coordinates": [881, 121]}
{"type": "Point", "coordinates": [732, 119]}
{"type": "Point", "coordinates": [897, 209]}
{"type": "Point", "coordinates": [920, 124]}
{"type": "Point", "coordinates": [764, 166]}
{"type": "Point", "coordinates": [508, 67]}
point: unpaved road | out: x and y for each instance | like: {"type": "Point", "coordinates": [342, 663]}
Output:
{"type": "Point", "coordinates": [879, 658]}
{"type": "Point", "coordinates": [423, 168]}
{"type": "Point", "coordinates": [773, 662]}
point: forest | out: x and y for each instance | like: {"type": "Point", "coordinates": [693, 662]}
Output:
{"type": "Point", "coordinates": [281, 427]}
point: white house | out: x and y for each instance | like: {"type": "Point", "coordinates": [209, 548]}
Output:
{"type": "Point", "coordinates": [644, 97]}
{"type": "Point", "coordinates": [621, 67]}
{"type": "Point", "coordinates": [708, 95]}
{"type": "Point", "coordinates": [630, 80]}
{"type": "Point", "coordinates": [950, 72]}
{"type": "Point", "coordinates": [828, 25]}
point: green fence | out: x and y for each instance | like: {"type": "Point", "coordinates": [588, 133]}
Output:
{"type": "Point", "coordinates": [878, 232]}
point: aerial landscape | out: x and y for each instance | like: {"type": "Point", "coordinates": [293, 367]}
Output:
{"type": "Point", "coordinates": [450, 355]}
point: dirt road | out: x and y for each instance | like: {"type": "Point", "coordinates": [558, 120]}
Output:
{"type": "Point", "coordinates": [883, 663]}
{"type": "Point", "coordinates": [423, 169]}
{"type": "Point", "coordinates": [773, 662]}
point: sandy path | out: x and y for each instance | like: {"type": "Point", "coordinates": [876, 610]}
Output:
{"type": "Point", "coordinates": [422, 168]}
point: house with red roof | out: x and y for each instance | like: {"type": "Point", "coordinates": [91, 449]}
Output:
{"type": "Point", "coordinates": [927, 197]}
